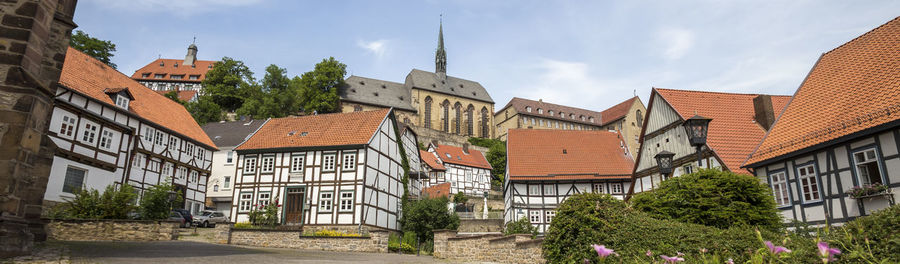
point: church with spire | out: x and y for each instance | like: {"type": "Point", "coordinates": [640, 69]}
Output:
{"type": "Point", "coordinates": [432, 103]}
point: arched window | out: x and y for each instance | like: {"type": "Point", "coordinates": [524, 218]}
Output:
{"type": "Point", "coordinates": [456, 125]}
{"type": "Point", "coordinates": [485, 133]}
{"type": "Point", "coordinates": [640, 118]}
{"type": "Point", "coordinates": [428, 102]}
{"type": "Point", "coordinates": [446, 108]}
{"type": "Point", "coordinates": [470, 121]}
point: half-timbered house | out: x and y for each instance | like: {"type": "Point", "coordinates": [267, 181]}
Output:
{"type": "Point", "coordinates": [739, 122]}
{"type": "Point", "coordinates": [840, 131]}
{"type": "Point", "coordinates": [465, 169]}
{"type": "Point", "coordinates": [544, 167]}
{"type": "Point", "coordinates": [418, 175]}
{"type": "Point", "coordinates": [334, 171]}
{"type": "Point", "coordinates": [111, 129]}
{"type": "Point", "coordinates": [226, 135]}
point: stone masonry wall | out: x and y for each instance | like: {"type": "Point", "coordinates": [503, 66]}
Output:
{"type": "Point", "coordinates": [377, 241]}
{"type": "Point", "coordinates": [480, 225]}
{"type": "Point", "coordinates": [487, 248]}
{"type": "Point", "coordinates": [112, 230]}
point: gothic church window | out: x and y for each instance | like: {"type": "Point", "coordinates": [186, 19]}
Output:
{"type": "Point", "coordinates": [428, 112]}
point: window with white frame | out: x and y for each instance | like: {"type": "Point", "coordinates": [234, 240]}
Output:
{"type": "Point", "coordinates": [229, 158]}
{"type": "Point", "coordinates": [598, 188]}
{"type": "Point", "coordinates": [268, 164]}
{"type": "Point", "coordinates": [159, 138]}
{"type": "Point", "coordinates": [188, 148]}
{"type": "Point", "coordinates": [469, 176]}
{"type": "Point", "coordinates": [867, 167]}
{"type": "Point", "coordinates": [106, 137]}
{"type": "Point", "coordinates": [245, 202]}
{"type": "Point", "coordinates": [122, 101]}
{"type": "Point", "coordinates": [167, 169]}
{"type": "Point", "coordinates": [148, 134]}
{"type": "Point", "coordinates": [67, 128]}
{"type": "Point", "coordinates": [249, 165]}
{"type": "Point", "coordinates": [263, 199]}
{"type": "Point", "coordinates": [173, 142]}
{"type": "Point", "coordinates": [780, 189]}
{"type": "Point", "coordinates": [325, 201]}
{"type": "Point", "coordinates": [195, 176]}
{"type": "Point", "coordinates": [182, 173]}
{"type": "Point", "coordinates": [616, 187]}
{"type": "Point", "coordinates": [328, 162]}
{"type": "Point", "coordinates": [74, 180]}
{"type": "Point", "coordinates": [138, 161]}
{"type": "Point", "coordinates": [349, 161]}
{"type": "Point", "coordinates": [534, 216]}
{"type": "Point", "coordinates": [227, 183]}
{"type": "Point", "coordinates": [297, 163]}
{"type": "Point", "coordinates": [200, 153]}
{"type": "Point", "coordinates": [549, 214]}
{"type": "Point", "coordinates": [534, 189]}
{"type": "Point", "coordinates": [90, 133]}
{"type": "Point", "coordinates": [346, 201]}
{"type": "Point", "coordinates": [809, 185]}
{"type": "Point", "coordinates": [550, 189]}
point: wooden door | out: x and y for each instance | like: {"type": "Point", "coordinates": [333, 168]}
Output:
{"type": "Point", "coordinates": [293, 206]}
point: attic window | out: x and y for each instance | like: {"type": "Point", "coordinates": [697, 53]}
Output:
{"type": "Point", "coordinates": [145, 75]}
{"type": "Point", "coordinates": [161, 63]}
{"type": "Point", "coordinates": [303, 134]}
{"type": "Point", "coordinates": [362, 83]}
{"type": "Point", "coordinates": [176, 65]}
{"type": "Point", "coordinates": [383, 86]}
{"type": "Point", "coordinates": [401, 98]}
{"type": "Point", "coordinates": [194, 77]}
{"type": "Point", "coordinates": [460, 86]}
{"type": "Point", "coordinates": [209, 67]}
{"type": "Point", "coordinates": [564, 151]}
{"type": "Point", "coordinates": [449, 156]}
{"type": "Point", "coordinates": [193, 65]}
{"type": "Point", "coordinates": [292, 132]}
{"type": "Point", "coordinates": [474, 94]}
{"type": "Point", "coordinates": [353, 90]}
{"type": "Point", "coordinates": [433, 85]}
{"type": "Point", "coordinates": [159, 76]}
{"type": "Point", "coordinates": [376, 94]}
{"type": "Point", "coordinates": [122, 101]}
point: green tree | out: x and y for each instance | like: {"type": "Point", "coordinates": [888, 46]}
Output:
{"type": "Point", "coordinates": [101, 50]}
{"type": "Point", "coordinates": [460, 198]}
{"type": "Point", "coordinates": [319, 88]}
{"type": "Point", "coordinates": [425, 215]}
{"type": "Point", "coordinates": [173, 95]}
{"type": "Point", "coordinates": [229, 83]}
{"type": "Point", "coordinates": [204, 110]}
{"type": "Point", "coordinates": [155, 203]}
{"type": "Point", "coordinates": [276, 96]}
{"type": "Point", "coordinates": [496, 156]}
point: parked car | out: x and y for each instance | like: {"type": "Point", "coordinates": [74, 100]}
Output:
{"type": "Point", "coordinates": [187, 216]}
{"type": "Point", "coordinates": [210, 219]}
{"type": "Point", "coordinates": [177, 216]}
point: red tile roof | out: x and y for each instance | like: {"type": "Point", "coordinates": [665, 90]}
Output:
{"type": "Point", "coordinates": [182, 95]}
{"type": "Point", "coordinates": [437, 191]}
{"type": "Point", "coordinates": [431, 161]}
{"type": "Point", "coordinates": [534, 154]}
{"type": "Point", "coordinates": [339, 129]}
{"type": "Point", "coordinates": [473, 159]}
{"type": "Point", "coordinates": [853, 87]}
{"type": "Point", "coordinates": [88, 76]}
{"type": "Point", "coordinates": [733, 132]}
{"type": "Point", "coordinates": [618, 111]}
{"type": "Point", "coordinates": [520, 105]}
{"type": "Point", "coordinates": [168, 68]}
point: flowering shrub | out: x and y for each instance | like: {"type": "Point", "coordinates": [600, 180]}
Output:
{"type": "Point", "coordinates": [264, 215]}
{"type": "Point", "coordinates": [866, 190]}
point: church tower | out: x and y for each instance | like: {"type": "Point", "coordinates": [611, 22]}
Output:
{"type": "Point", "coordinates": [440, 57]}
{"type": "Point", "coordinates": [191, 56]}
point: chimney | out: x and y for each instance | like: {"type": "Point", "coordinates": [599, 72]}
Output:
{"type": "Point", "coordinates": [466, 148]}
{"type": "Point", "coordinates": [764, 114]}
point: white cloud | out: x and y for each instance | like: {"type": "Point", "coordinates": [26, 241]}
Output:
{"type": "Point", "coordinates": [572, 83]}
{"type": "Point", "coordinates": [376, 47]}
{"type": "Point", "coordinates": [176, 6]}
{"type": "Point", "coordinates": [676, 42]}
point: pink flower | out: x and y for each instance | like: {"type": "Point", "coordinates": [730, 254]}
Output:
{"type": "Point", "coordinates": [679, 254]}
{"type": "Point", "coordinates": [730, 261]}
{"type": "Point", "coordinates": [827, 253]}
{"type": "Point", "coordinates": [603, 252]}
{"type": "Point", "coordinates": [671, 260]}
{"type": "Point", "coordinates": [649, 254]}
{"type": "Point", "coordinates": [703, 250]}
{"type": "Point", "coordinates": [776, 249]}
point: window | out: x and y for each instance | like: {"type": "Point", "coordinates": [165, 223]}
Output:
{"type": "Point", "coordinates": [106, 139]}
{"type": "Point", "coordinates": [592, 119]}
{"type": "Point", "coordinates": [74, 180]}
{"type": "Point", "coordinates": [159, 76]}
{"type": "Point", "coordinates": [167, 169]}
{"type": "Point", "coordinates": [687, 169]}
{"type": "Point", "coordinates": [468, 176]}
{"type": "Point", "coordinates": [616, 187]}
{"type": "Point", "coordinates": [229, 157]}
{"type": "Point", "coordinates": [346, 201]}
{"type": "Point", "coordinates": [216, 188]}
{"type": "Point", "coordinates": [122, 101]}
{"type": "Point", "coordinates": [541, 122]}
{"type": "Point", "coordinates": [549, 216]}
{"type": "Point", "coordinates": [138, 161]}
{"type": "Point", "coordinates": [67, 127]}
{"type": "Point", "coordinates": [534, 189]}
{"type": "Point", "coordinates": [177, 77]}
{"type": "Point", "coordinates": [349, 161]}
{"type": "Point", "coordinates": [182, 172]}
{"type": "Point", "coordinates": [808, 183]}
{"type": "Point", "coordinates": [550, 189]}
{"type": "Point", "coordinates": [148, 134]}
{"type": "Point", "coordinates": [245, 201]}
{"type": "Point", "coordinates": [189, 149]}
{"type": "Point", "coordinates": [264, 198]}
{"type": "Point", "coordinates": [640, 118]}
{"type": "Point", "coordinates": [268, 164]}
{"type": "Point", "coordinates": [199, 153]}
{"type": "Point", "coordinates": [550, 112]}
{"type": "Point", "coordinates": [528, 109]}
{"type": "Point", "coordinates": [145, 75]}
{"type": "Point", "coordinates": [780, 189]}
{"type": "Point", "coordinates": [867, 167]}
{"type": "Point", "coordinates": [194, 77]}
{"type": "Point", "coordinates": [535, 216]}
{"type": "Point", "coordinates": [195, 176]}
{"type": "Point", "coordinates": [328, 162]}
{"type": "Point", "coordinates": [428, 102]}
{"type": "Point", "coordinates": [325, 201]}
{"type": "Point", "coordinates": [173, 143]}
{"type": "Point", "coordinates": [227, 182]}
{"type": "Point", "coordinates": [250, 165]}
{"type": "Point", "coordinates": [598, 188]}
{"type": "Point", "coordinates": [90, 133]}
{"type": "Point", "coordinates": [159, 138]}
{"type": "Point", "coordinates": [297, 163]}
{"type": "Point", "coordinates": [540, 111]}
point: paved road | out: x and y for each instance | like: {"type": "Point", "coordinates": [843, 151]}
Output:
{"type": "Point", "coordinates": [201, 253]}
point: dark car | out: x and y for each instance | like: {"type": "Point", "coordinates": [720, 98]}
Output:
{"type": "Point", "coordinates": [178, 217]}
{"type": "Point", "coordinates": [187, 215]}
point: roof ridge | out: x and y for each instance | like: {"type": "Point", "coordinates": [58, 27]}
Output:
{"type": "Point", "coordinates": [861, 35]}
{"type": "Point", "coordinates": [544, 102]}
{"type": "Point", "coordinates": [716, 92]}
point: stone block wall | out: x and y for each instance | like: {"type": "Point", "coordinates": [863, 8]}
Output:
{"type": "Point", "coordinates": [376, 241]}
{"type": "Point", "coordinates": [112, 230]}
{"type": "Point", "coordinates": [487, 248]}
{"type": "Point", "coordinates": [480, 225]}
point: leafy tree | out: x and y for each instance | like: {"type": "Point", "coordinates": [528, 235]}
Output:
{"type": "Point", "coordinates": [521, 226]}
{"type": "Point", "coordinates": [173, 95]}
{"type": "Point", "coordinates": [319, 88]}
{"type": "Point", "coordinates": [496, 156]}
{"type": "Point", "coordinates": [155, 204]}
{"type": "Point", "coordinates": [425, 215]}
{"type": "Point", "coordinates": [101, 50]}
{"type": "Point", "coordinates": [714, 198]}
{"type": "Point", "coordinates": [276, 96]}
{"type": "Point", "coordinates": [204, 110]}
{"type": "Point", "coordinates": [460, 198]}
{"type": "Point", "coordinates": [229, 83]}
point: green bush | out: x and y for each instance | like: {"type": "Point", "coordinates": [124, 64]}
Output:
{"type": "Point", "coordinates": [496, 156]}
{"type": "Point", "coordinates": [586, 219]}
{"type": "Point", "coordinates": [425, 215]}
{"type": "Point", "coordinates": [113, 203]}
{"type": "Point", "coordinates": [872, 238]}
{"type": "Point", "coordinates": [155, 203]}
{"type": "Point", "coordinates": [460, 198]}
{"type": "Point", "coordinates": [264, 215]}
{"type": "Point", "coordinates": [713, 198]}
{"type": "Point", "coordinates": [521, 226]}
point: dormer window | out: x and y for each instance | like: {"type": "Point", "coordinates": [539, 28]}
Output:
{"type": "Point", "coordinates": [145, 75]}
{"type": "Point", "coordinates": [159, 76]}
{"type": "Point", "coordinates": [177, 77]}
{"type": "Point", "coordinates": [120, 96]}
{"type": "Point", "coordinates": [550, 112]}
{"type": "Point", "coordinates": [540, 111]}
{"type": "Point", "coordinates": [122, 101]}
{"type": "Point", "coordinates": [528, 109]}
{"type": "Point", "coordinates": [194, 77]}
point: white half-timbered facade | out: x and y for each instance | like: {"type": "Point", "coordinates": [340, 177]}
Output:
{"type": "Point", "coordinates": [467, 170]}
{"type": "Point", "coordinates": [544, 167]}
{"type": "Point", "coordinates": [111, 130]}
{"type": "Point", "coordinates": [418, 175]}
{"type": "Point", "coordinates": [330, 170]}
{"type": "Point", "coordinates": [823, 147]}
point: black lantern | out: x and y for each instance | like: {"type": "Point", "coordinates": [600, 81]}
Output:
{"type": "Point", "coordinates": [664, 162]}
{"type": "Point", "coordinates": [697, 128]}
{"type": "Point", "coordinates": [485, 195]}
{"type": "Point", "coordinates": [172, 196]}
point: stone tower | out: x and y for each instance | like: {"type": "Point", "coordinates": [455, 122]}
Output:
{"type": "Point", "coordinates": [440, 57]}
{"type": "Point", "coordinates": [33, 41]}
{"type": "Point", "coordinates": [191, 56]}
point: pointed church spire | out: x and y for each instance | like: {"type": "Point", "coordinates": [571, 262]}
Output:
{"type": "Point", "coordinates": [440, 57]}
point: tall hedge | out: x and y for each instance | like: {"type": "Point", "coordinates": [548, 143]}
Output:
{"type": "Point", "coordinates": [875, 237]}
{"type": "Point", "coordinates": [713, 198]}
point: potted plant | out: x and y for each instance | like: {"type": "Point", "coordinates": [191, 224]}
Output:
{"type": "Point", "coordinates": [867, 190]}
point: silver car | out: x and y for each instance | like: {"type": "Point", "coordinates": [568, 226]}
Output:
{"type": "Point", "coordinates": [210, 219]}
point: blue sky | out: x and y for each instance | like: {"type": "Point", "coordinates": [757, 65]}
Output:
{"type": "Point", "coordinates": [589, 54]}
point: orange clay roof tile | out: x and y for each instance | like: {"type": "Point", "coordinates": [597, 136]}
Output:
{"type": "Point", "coordinates": [618, 111]}
{"type": "Point", "coordinates": [534, 154]}
{"type": "Point", "coordinates": [457, 156]}
{"type": "Point", "coordinates": [338, 129]}
{"type": "Point", "coordinates": [431, 160]}
{"type": "Point", "coordinates": [168, 68]}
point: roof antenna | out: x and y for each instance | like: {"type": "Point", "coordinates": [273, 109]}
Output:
{"type": "Point", "coordinates": [195, 40]}
{"type": "Point", "coordinates": [635, 92]}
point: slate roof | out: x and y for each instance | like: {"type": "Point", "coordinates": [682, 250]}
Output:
{"type": "Point", "coordinates": [852, 88]}
{"type": "Point", "coordinates": [86, 75]}
{"type": "Point", "coordinates": [452, 85]}
{"type": "Point", "coordinates": [520, 104]}
{"type": "Point", "coordinates": [324, 130]}
{"type": "Point", "coordinates": [376, 92]}
{"type": "Point", "coordinates": [183, 95]}
{"type": "Point", "coordinates": [168, 68]}
{"type": "Point", "coordinates": [733, 132]}
{"type": "Point", "coordinates": [537, 154]}
{"type": "Point", "coordinates": [618, 111]}
{"type": "Point", "coordinates": [230, 134]}
{"type": "Point", "coordinates": [455, 155]}
{"type": "Point", "coordinates": [431, 160]}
